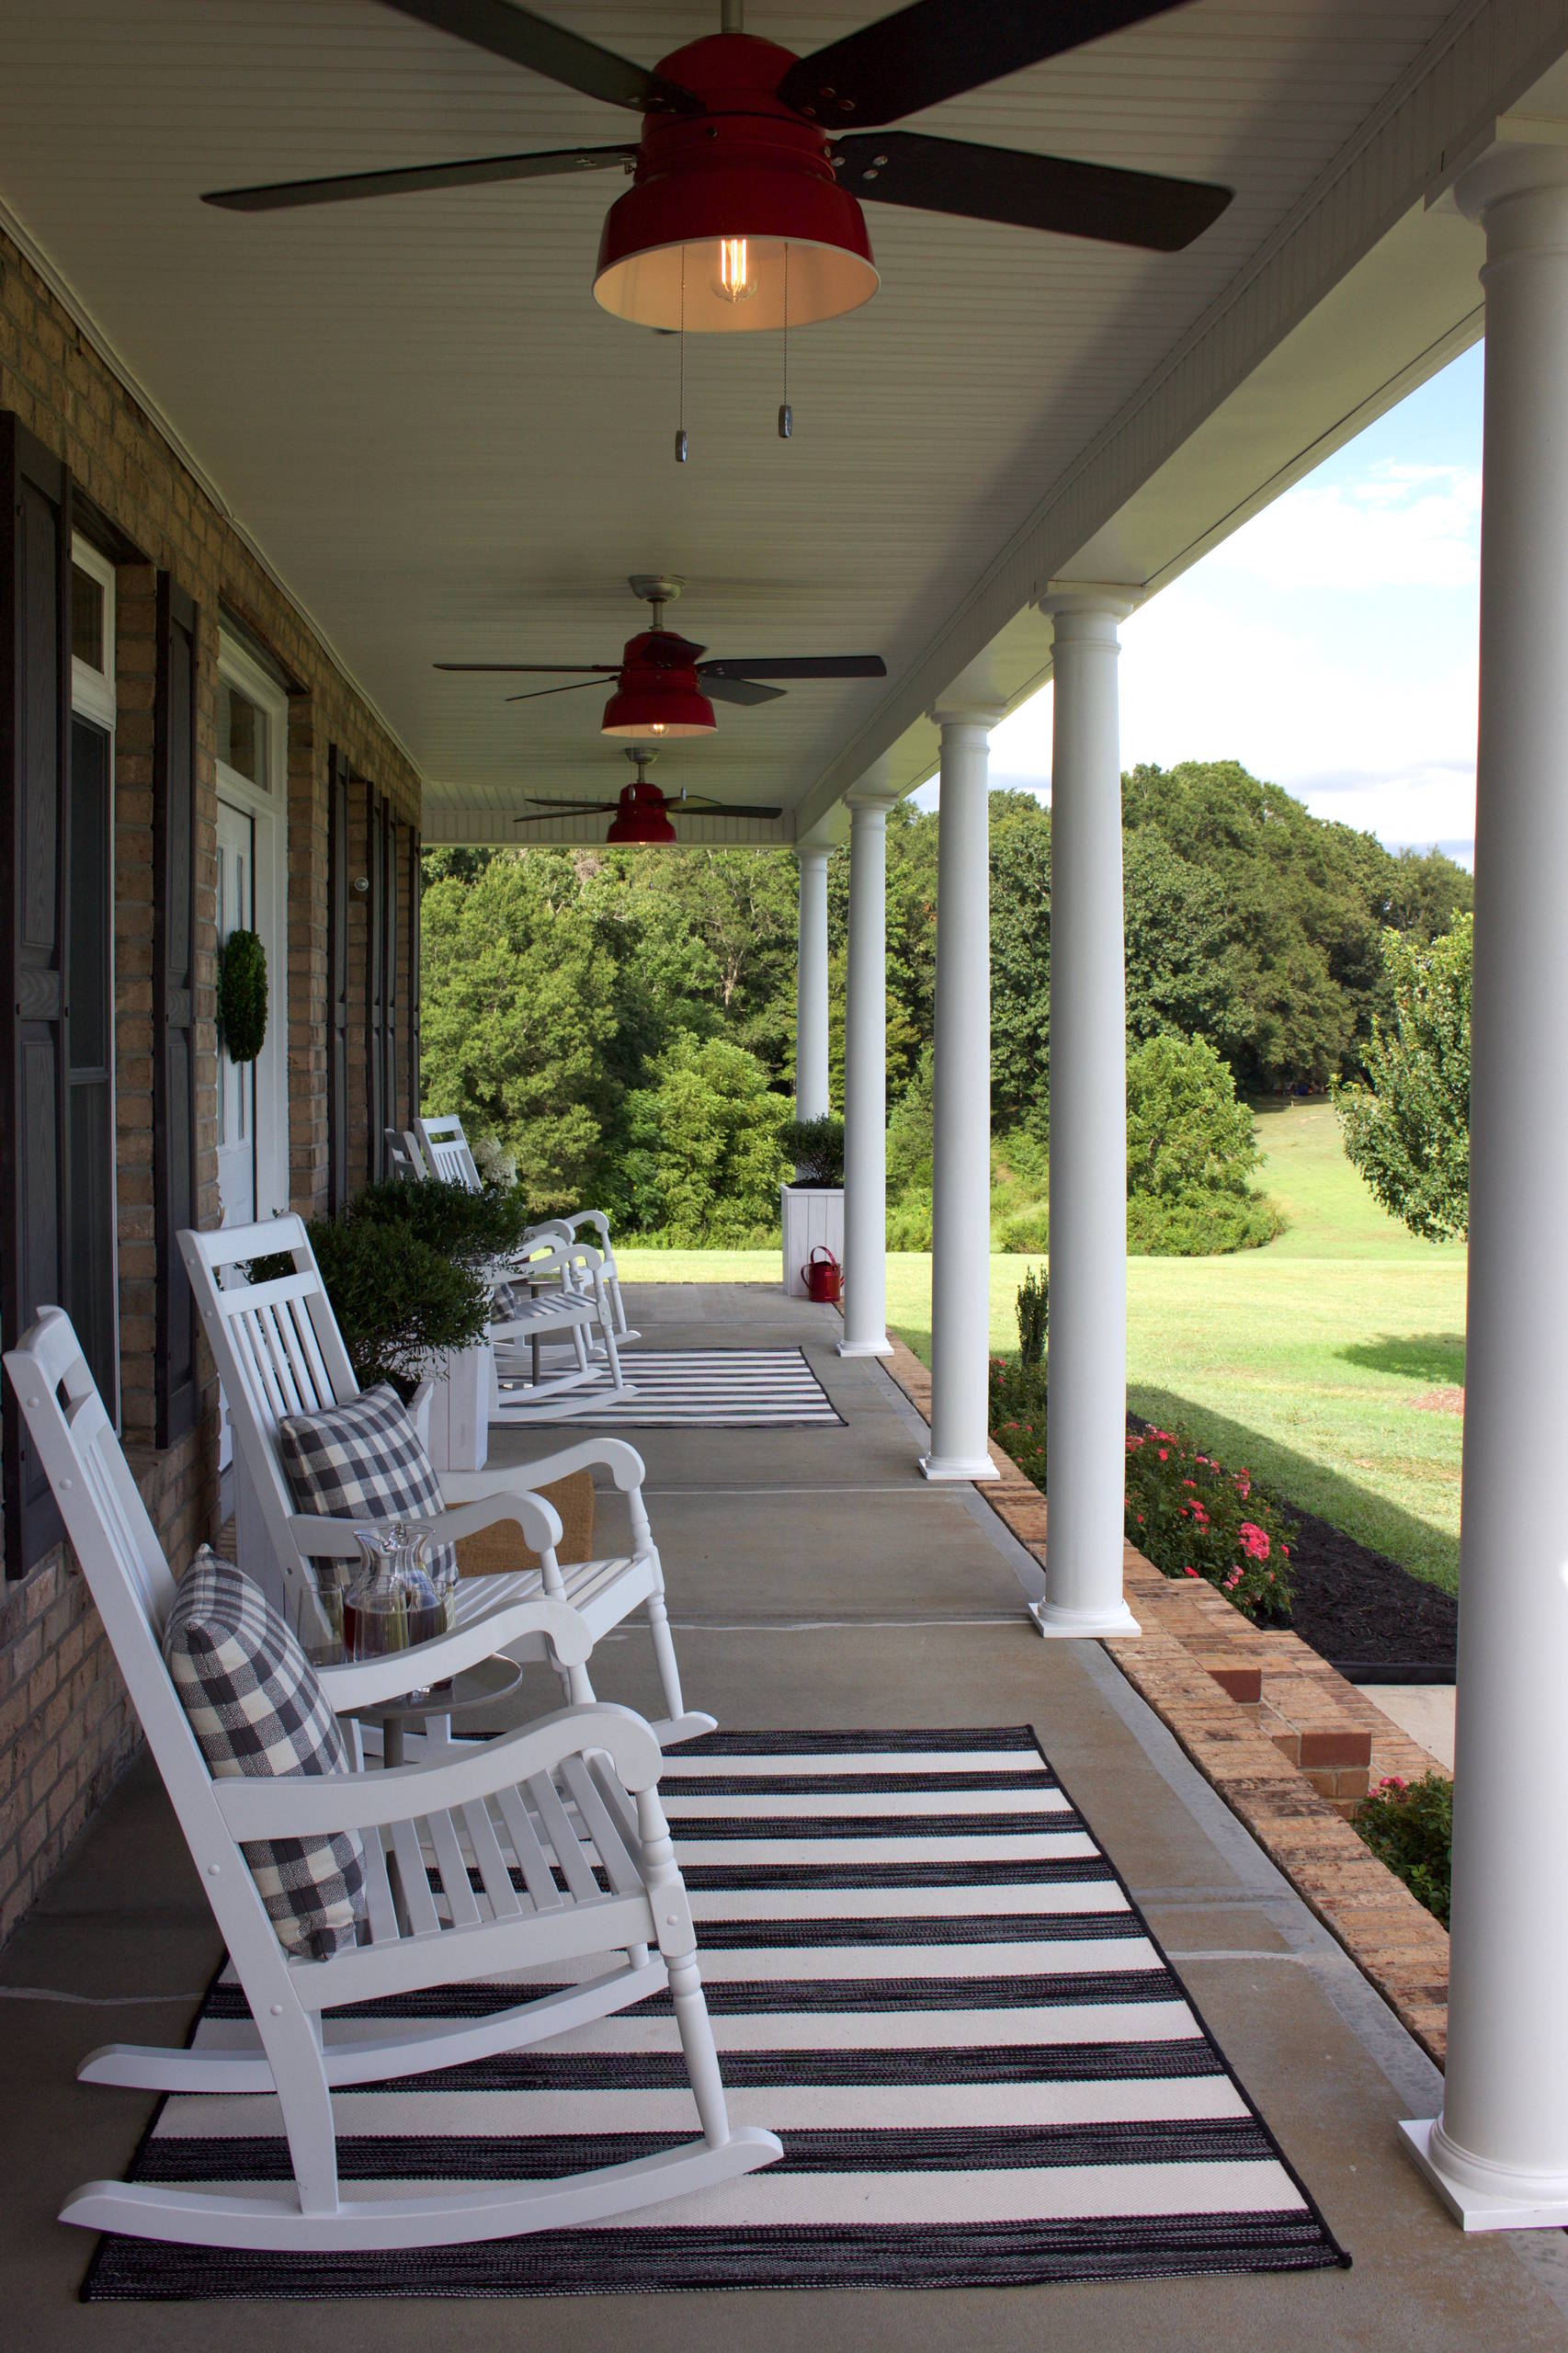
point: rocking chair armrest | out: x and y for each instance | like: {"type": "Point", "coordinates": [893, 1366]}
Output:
{"type": "Point", "coordinates": [300, 1805]}
{"type": "Point", "coordinates": [322, 1536]}
{"type": "Point", "coordinates": [622, 1461]}
{"type": "Point", "coordinates": [359, 1682]}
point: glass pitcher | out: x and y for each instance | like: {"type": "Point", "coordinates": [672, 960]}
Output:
{"type": "Point", "coordinates": [392, 1602]}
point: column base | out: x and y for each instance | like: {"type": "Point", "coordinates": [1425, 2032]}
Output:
{"type": "Point", "coordinates": [1482, 2197]}
{"type": "Point", "coordinates": [864, 1348]}
{"type": "Point", "coordinates": [1082, 1625]}
{"type": "Point", "coordinates": [958, 1467]}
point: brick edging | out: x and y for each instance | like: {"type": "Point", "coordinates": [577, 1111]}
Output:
{"type": "Point", "coordinates": [1192, 1636]}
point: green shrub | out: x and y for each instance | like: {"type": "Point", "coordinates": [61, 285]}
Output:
{"type": "Point", "coordinates": [1025, 1234]}
{"type": "Point", "coordinates": [241, 996]}
{"type": "Point", "coordinates": [909, 1221]}
{"type": "Point", "coordinates": [1186, 1131]}
{"type": "Point", "coordinates": [1033, 1307]}
{"type": "Point", "coordinates": [472, 1228]}
{"type": "Point", "coordinates": [816, 1147]}
{"type": "Point", "coordinates": [1409, 1825]}
{"type": "Point", "coordinates": [399, 1302]}
{"type": "Point", "coordinates": [710, 1127]}
{"type": "Point", "coordinates": [1199, 1224]}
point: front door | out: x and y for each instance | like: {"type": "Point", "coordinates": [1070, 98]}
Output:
{"type": "Point", "coordinates": [236, 1081]}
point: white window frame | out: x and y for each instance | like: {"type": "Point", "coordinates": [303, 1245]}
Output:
{"type": "Point", "coordinates": [236, 667]}
{"type": "Point", "coordinates": [92, 697]}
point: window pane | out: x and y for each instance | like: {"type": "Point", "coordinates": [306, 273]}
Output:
{"type": "Point", "coordinates": [242, 735]}
{"type": "Point", "coordinates": [88, 618]}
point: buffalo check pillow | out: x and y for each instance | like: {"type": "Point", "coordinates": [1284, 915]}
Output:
{"type": "Point", "coordinates": [363, 1460]}
{"type": "Point", "coordinates": [257, 1707]}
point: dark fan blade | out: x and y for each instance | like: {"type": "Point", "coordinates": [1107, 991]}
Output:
{"type": "Point", "coordinates": [801, 665]}
{"type": "Point", "coordinates": [551, 50]}
{"type": "Point", "coordinates": [286, 196]}
{"type": "Point", "coordinates": [549, 809]}
{"type": "Point", "coordinates": [535, 693]}
{"type": "Point", "coordinates": [540, 669]}
{"type": "Point", "coordinates": [744, 690]}
{"type": "Point", "coordinates": [695, 805]}
{"type": "Point", "coordinates": [1029, 191]}
{"type": "Point", "coordinates": [938, 48]}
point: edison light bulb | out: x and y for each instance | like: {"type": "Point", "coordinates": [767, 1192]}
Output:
{"type": "Point", "coordinates": [736, 282]}
{"type": "Point", "coordinates": [657, 727]}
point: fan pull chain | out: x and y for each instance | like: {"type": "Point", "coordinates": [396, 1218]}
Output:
{"type": "Point", "coordinates": [786, 414]}
{"type": "Point", "coordinates": [680, 418]}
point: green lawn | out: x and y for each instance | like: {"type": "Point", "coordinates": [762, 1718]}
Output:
{"type": "Point", "coordinates": [1304, 1361]}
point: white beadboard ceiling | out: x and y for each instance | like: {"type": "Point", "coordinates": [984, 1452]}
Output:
{"type": "Point", "coordinates": [445, 449]}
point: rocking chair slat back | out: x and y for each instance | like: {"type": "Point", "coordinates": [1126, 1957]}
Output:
{"type": "Point", "coordinates": [447, 1150]}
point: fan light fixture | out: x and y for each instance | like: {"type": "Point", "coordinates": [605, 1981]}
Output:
{"type": "Point", "coordinates": [642, 819]}
{"type": "Point", "coordinates": [658, 694]}
{"type": "Point", "coordinates": [735, 220]}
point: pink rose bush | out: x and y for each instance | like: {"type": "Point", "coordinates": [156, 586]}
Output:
{"type": "Point", "coordinates": [1186, 1511]}
{"type": "Point", "coordinates": [1192, 1517]}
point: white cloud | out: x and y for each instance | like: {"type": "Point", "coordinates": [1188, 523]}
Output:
{"type": "Point", "coordinates": [1397, 526]}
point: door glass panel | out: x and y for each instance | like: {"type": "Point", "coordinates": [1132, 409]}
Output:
{"type": "Point", "coordinates": [90, 1255]}
{"type": "Point", "coordinates": [91, 898]}
{"type": "Point", "coordinates": [242, 735]}
{"type": "Point", "coordinates": [88, 618]}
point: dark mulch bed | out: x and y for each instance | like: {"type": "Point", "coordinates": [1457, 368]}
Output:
{"type": "Point", "coordinates": [1362, 1611]}
{"type": "Point", "coordinates": [1366, 1615]}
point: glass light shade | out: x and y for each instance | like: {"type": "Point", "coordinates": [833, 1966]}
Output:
{"type": "Point", "coordinates": [694, 225]}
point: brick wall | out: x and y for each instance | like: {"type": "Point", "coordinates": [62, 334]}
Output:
{"type": "Point", "coordinates": [66, 1731]}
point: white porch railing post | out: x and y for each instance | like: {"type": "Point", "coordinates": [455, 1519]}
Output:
{"type": "Point", "coordinates": [961, 1172]}
{"type": "Point", "coordinates": [1498, 2154]}
{"type": "Point", "coordinates": [865, 1087]}
{"type": "Point", "coordinates": [810, 988]}
{"type": "Point", "coordinates": [1087, 1407]}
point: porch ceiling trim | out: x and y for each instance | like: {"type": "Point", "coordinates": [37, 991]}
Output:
{"type": "Point", "coordinates": [1442, 111]}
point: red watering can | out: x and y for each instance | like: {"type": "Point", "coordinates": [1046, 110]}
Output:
{"type": "Point", "coordinates": [824, 1277]}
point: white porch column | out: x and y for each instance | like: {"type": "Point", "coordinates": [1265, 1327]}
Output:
{"type": "Point", "coordinates": [1087, 1397]}
{"type": "Point", "coordinates": [960, 1182]}
{"type": "Point", "coordinates": [865, 1087]}
{"type": "Point", "coordinates": [810, 988]}
{"type": "Point", "coordinates": [1498, 2154]}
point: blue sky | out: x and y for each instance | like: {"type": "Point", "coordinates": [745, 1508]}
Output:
{"type": "Point", "coordinates": [1330, 644]}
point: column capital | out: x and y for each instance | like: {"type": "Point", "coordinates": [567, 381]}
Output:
{"type": "Point", "coordinates": [966, 711]}
{"type": "Point", "coordinates": [1509, 172]}
{"type": "Point", "coordinates": [871, 802]}
{"type": "Point", "coordinates": [806, 852]}
{"type": "Point", "coordinates": [1110, 600]}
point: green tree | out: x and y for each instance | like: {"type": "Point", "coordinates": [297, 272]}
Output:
{"type": "Point", "coordinates": [708, 1132]}
{"type": "Point", "coordinates": [1407, 1129]}
{"type": "Point", "coordinates": [1186, 1131]}
{"type": "Point", "coordinates": [1021, 957]}
{"type": "Point", "coordinates": [519, 1012]}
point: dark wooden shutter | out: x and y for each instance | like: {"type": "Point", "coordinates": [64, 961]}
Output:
{"type": "Point", "coordinates": [415, 895]}
{"type": "Point", "coordinates": [376, 820]}
{"type": "Point", "coordinates": [35, 737]}
{"type": "Point", "coordinates": [176, 1386]}
{"type": "Point", "coordinates": [391, 994]}
{"type": "Point", "coordinates": [337, 980]}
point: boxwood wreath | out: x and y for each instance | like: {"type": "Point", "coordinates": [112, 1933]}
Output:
{"type": "Point", "coordinates": [241, 996]}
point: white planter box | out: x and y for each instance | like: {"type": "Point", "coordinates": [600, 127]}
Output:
{"type": "Point", "coordinates": [451, 1410]}
{"type": "Point", "coordinates": [811, 1214]}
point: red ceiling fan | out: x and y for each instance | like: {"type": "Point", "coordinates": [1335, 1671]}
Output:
{"type": "Point", "coordinates": [664, 687]}
{"type": "Point", "coordinates": [642, 814]}
{"type": "Point", "coordinates": [745, 209]}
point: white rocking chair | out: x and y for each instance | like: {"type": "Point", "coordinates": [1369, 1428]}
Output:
{"type": "Point", "coordinates": [522, 1813]}
{"type": "Point", "coordinates": [404, 1156]}
{"type": "Point", "coordinates": [448, 1155]}
{"type": "Point", "coordinates": [279, 1351]}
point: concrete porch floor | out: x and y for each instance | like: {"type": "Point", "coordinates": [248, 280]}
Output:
{"type": "Point", "coordinates": [815, 1580]}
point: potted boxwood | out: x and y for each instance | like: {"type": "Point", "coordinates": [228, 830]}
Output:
{"type": "Point", "coordinates": [811, 1201]}
{"type": "Point", "coordinates": [425, 1225]}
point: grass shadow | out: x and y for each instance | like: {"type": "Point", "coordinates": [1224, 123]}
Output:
{"type": "Point", "coordinates": [1437, 1357]}
{"type": "Point", "coordinates": [1426, 1551]}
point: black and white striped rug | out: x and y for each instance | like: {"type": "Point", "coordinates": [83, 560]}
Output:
{"type": "Point", "coordinates": [710, 1389]}
{"type": "Point", "coordinates": [924, 1974]}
